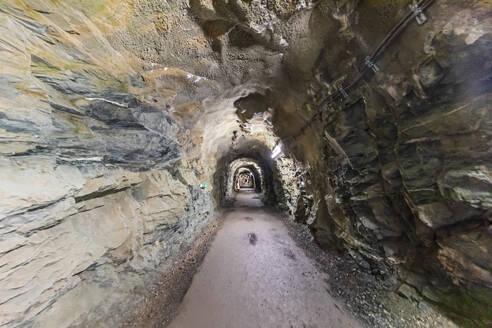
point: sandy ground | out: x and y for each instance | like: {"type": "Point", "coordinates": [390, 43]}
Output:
{"type": "Point", "coordinates": [255, 275]}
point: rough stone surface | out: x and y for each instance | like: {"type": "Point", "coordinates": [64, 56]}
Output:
{"type": "Point", "coordinates": [112, 113]}
{"type": "Point", "coordinates": [75, 236]}
{"type": "Point", "coordinates": [400, 170]}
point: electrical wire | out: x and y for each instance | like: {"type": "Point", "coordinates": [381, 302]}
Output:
{"type": "Point", "coordinates": [376, 53]}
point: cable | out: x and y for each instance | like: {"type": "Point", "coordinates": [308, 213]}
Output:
{"type": "Point", "coordinates": [376, 53]}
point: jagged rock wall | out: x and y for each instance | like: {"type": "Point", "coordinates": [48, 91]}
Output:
{"type": "Point", "coordinates": [113, 112]}
{"type": "Point", "coordinates": [96, 197]}
{"type": "Point", "coordinates": [400, 169]}
{"type": "Point", "coordinates": [79, 239]}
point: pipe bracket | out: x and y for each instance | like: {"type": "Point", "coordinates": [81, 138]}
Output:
{"type": "Point", "coordinates": [369, 63]}
{"type": "Point", "coordinates": [342, 91]}
{"type": "Point", "coordinates": [418, 13]}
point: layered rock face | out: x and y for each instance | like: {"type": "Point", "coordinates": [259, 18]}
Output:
{"type": "Point", "coordinates": [401, 163]}
{"type": "Point", "coordinates": [112, 113]}
{"type": "Point", "coordinates": [104, 114]}
{"type": "Point", "coordinates": [95, 197]}
{"type": "Point", "coordinates": [78, 240]}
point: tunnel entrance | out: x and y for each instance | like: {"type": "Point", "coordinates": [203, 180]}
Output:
{"type": "Point", "coordinates": [245, 174]}
{"type": "Point", "coordinates": [247, 167]}
{"type": "Point", "coordinates": [244, 180]}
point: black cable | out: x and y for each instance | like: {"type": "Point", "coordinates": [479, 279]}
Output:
{"type": "Point", "coordinates": [378, 51]}
{"type": "Point", "coordinates": [395, 31]}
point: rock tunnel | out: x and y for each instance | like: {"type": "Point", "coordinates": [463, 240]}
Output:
{"type": "Point", "coordinates": [245, 179]}
{"type": "Point", "coordinates": [359, 130]}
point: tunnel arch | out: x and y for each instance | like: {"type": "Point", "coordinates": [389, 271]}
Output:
{"type": "Point", "coordinates": [245, 173]}
{"type": "Point", "coordinates": [278, 174]}
{"type": "Point", "coordinates": [253, 154]}
{"type": "Point", "coordinates": [244, 163]}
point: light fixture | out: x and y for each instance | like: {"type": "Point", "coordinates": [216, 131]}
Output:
{"type": "Point", "coordinates": [276, 151]}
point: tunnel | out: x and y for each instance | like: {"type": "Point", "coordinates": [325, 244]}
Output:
{"type": "Point", "coordinates": [244, 167]}
{"type": "Point", "coordinates": [246, 163]}
{"type": "Point", "coordinates": [244, 179]}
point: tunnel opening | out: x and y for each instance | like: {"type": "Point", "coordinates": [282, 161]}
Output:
{"type": "Point", "coordinates": [249, 157]}
{"type": "Point", "coordinates": [248, 174]}
{"type": "Point", "coordinates": [245, 174]}
{"type": "Point", "coordinates": [245, 179]}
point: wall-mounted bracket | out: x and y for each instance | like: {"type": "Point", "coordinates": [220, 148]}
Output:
{"type": "Point", "coordinates": [276, 151]}
{"type": "Point", "coordinates": [418, 13]}
{"type": "Point", "coordinates": [369, 63]}
{"type": "Point", "coordinates": [342, 91]}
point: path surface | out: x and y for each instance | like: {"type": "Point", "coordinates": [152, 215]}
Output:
{"type": "Point", "coordinates": [254, 275]}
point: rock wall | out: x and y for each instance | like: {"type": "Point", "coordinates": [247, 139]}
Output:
{"type": "Point", "coordinates": [113, 112]}
{"type": "Point", "coordinates": [400, 169]}
{"type": "Point", "coordinates": [79, 240]}
{"type": "Point", "coordinates": [95, 196]}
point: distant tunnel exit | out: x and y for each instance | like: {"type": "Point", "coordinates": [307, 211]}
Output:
{"type": "Point", "coordinates": [245, 180]}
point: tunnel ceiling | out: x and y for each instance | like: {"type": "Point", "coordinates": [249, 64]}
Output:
{"type": "Point", "coordinates": [141, 102]}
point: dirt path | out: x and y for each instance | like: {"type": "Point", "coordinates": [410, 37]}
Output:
{"type": "Point", "coordinates": [254, 275]}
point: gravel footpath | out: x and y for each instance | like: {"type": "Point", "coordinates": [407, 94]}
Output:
{"type": "Point", "coordinates": [164, 297]}
{"type": "Point", "coordinates": [370, 297]}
